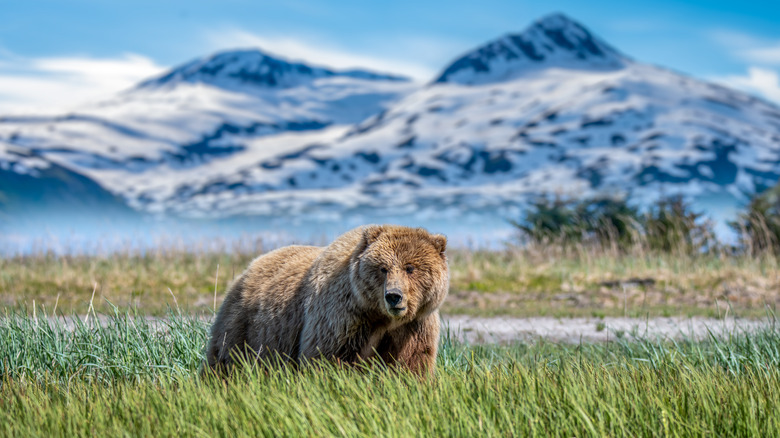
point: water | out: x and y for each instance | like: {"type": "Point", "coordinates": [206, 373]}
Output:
{"type": "Point", "coordinates": [96, 233]}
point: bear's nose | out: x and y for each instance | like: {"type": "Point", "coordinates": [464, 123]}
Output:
{"type": "Point", "coordinates": [393, 298]}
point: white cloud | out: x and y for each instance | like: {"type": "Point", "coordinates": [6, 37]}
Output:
{"type": "Point", "coordinates": [762, 56]}
{"type": "Point", "coordinates": [320, 53]}
{"type": "Point", "coordinates": [56, 83]}
{"type": "Point", "coordinates": [734, 39]}
{"type": "Point", "coordinates": [758, 80]}
{"type": "Point", "coordinates": [766, 55]}
{"type": "Point", "coordinates": [748, 47]}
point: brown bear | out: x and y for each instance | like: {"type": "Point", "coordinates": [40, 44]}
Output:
{"type": "Point", "coordinates": [374, 291]}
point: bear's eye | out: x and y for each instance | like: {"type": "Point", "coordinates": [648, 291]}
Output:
{"type": "Point", "coordinates": [409, 269]}
{"type": "Point", "coordinates": [383, 270]}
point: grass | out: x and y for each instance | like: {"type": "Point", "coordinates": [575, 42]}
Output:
{"type": "Point", "coordinates": [509, 282]}
{"type": "Point", "coordinates": [131, 376]}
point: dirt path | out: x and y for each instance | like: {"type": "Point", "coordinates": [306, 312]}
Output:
{"type": "Point", "coordinates": [574, 330]}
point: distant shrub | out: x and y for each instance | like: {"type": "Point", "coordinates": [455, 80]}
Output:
{"type": "Point", "coordinates": [609, 221]}
{"type": "Point", "coordinates": [759, 226]}
{"type": "Point", "coordinates": [670, 225]}
{"type": "Point", "coordinates": [547, 221]}
{"type": "Point", "coordinates": [602, 221]}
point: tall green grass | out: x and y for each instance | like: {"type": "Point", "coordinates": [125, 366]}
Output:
{"type": "Point", "coordinates": [106, 348]}
{"type": "Point", "coordinates": [512, 399]}
{"type": "Point", "coordinates": [130, 376]}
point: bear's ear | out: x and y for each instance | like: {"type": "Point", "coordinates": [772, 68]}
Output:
{"type": "Point", "coordinates": [439, 242]}
{"type": "Point", "coordinates": [370, 234]}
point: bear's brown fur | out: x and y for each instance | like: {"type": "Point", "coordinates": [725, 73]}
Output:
{"type": "Point", "coordinates": [376, 290]}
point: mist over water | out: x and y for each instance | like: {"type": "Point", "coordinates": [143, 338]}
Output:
{"type": "Point", "coordinates": [101, 233]}
{"type": "Point", "coordinates": [98, 230]}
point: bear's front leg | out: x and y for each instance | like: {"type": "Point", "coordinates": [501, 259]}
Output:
{"type": "Point", "coordinates": [413, 346]}
{"type": "Point", "coordinates": [325, 339]}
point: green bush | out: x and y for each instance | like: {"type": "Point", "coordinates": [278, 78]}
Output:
{"type": "Point", "coordinates": [549, 221]}
{"type": "Point", "coordinates": [610, 221]}
{"type": "Point", "coordinates": [668, 226]}
{"type": "Point", "coordinates": [759, 226]}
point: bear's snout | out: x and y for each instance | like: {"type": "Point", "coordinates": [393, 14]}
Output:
{"type": "Point", "coordinates": [394, 297]}
{"type": "Point", "coordinates": [395, 301]}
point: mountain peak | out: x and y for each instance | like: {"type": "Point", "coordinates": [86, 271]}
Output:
{"type": "Point", "coordinates": [557, 20]}
{"type": "Point", "coordinates": [254, 67]}
{"type": "Point", "coordinates": [552, 41]}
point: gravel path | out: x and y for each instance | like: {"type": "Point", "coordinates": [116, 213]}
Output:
{"type": "Point", "coordinates": [574, 330]}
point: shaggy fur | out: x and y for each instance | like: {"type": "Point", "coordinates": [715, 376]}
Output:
{"type": "Point", "coordinates": [309, 302]}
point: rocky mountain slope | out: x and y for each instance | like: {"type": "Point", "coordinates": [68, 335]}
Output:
{"type": "Point", "coordinates": [553, 110]}
{"type": "Point", "coordinates": [191, 118]}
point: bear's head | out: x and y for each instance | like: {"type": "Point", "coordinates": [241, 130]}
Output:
{"type": "Point", "coordinates": [400, 271]}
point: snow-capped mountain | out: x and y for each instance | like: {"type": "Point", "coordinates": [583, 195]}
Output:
{"type": "Point", "coordinates": [576, 118]}
{"type": "Point", "coordinates": [551, 110]}
{"type": "Point", "coordinates": [555, 41]}
{"type": "Point", "coordinates": [237, 69]}
{"type": "Point", "coordinates": [192, 117]}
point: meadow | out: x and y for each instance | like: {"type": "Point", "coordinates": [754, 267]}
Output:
{"type": "Point", "coordinates": [513, 281]}
{"type": "Point", "coordinates": [110, 344]}
{"type": "Point", "coordinates": [133, 376]}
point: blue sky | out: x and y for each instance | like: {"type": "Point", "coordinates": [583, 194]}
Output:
{"type": "Point", "coordinates": [55, 54]}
